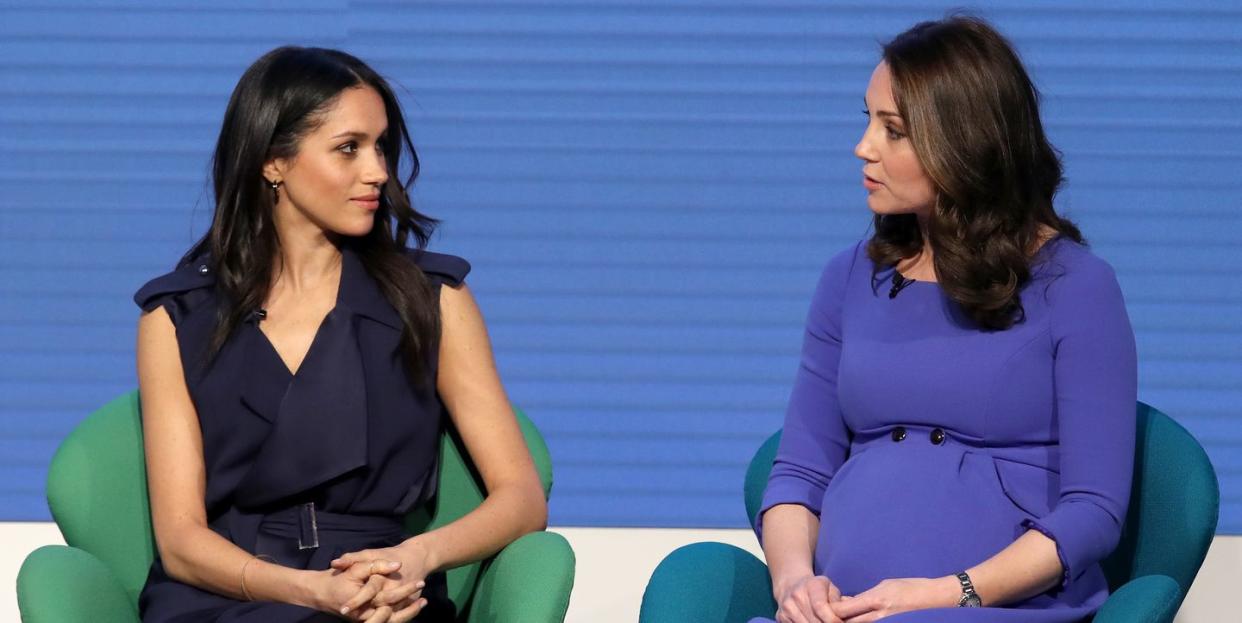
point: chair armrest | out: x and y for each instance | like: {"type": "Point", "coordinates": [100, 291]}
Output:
{"type": "Point", "coordinates": [529, 581]}
{"type": "Point", "coordinates": [1149, 599]}
{"type": "Point", "coordinates": [708, 583]}
{"type": "Point", "coordinates": [66, 584]}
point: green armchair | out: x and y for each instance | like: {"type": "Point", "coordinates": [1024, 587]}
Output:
{"type": "Point", "coordinates": [1172, 517]}
{"type": "Point", "coordinates": [97, 492]}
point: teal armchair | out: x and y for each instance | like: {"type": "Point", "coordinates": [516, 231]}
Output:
{"type": "Point", "coordinates": [1174, 504]}
{"type": "Point", "coordinates": [97, 492]}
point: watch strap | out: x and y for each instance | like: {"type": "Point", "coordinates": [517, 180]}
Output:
{"type": "Point", "coordinates": [969, 597]}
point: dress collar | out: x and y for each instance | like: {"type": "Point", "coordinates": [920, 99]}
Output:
{"type": "Point", "coordinates": [359, 292]}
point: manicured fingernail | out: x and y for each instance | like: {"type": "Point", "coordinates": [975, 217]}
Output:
{"type": "Point", "coordinates": [345, 610]}
{"type": "Point", "coordinates": [420, 584]}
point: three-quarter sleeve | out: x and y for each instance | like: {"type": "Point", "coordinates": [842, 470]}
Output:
{"type": "Point", "coordinates": [1096, 379]}
{"type": "Point", "coordinates": [814, 441]}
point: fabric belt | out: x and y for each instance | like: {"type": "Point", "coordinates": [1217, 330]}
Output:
{"type": "Point", "coordinates": [305, 523]}
{"type": "Point", "coordinates": [307, 527]}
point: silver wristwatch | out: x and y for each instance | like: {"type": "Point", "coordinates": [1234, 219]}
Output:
{"type": "Point", "coordinates": [970, 599]}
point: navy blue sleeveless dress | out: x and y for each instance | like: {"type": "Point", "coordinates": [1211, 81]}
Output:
{"type": "Point", "coordinates": [303, 467]}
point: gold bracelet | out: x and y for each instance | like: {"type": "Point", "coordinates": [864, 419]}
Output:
{"type": "Point", "coordinates": [245, 592]}
{"type": "Point", "coordinates": [243, 573]}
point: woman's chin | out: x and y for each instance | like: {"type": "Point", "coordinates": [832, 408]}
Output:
{"type": "Point", "coordinates": [356, 229]}
{"type": "Point", "coordinates": [879, 206]}
{"type": "Point", "coordinates": [885, 208]}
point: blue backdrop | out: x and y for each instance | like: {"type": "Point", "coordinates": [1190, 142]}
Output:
{"type": "Point", "coordinates": [647, 191]}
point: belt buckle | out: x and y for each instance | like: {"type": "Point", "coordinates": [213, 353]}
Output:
{"type": "Point", "coordinates": [308, 528]}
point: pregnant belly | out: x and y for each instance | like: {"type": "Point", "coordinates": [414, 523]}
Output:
{"type": "Point", "coordinates": [912, 509]}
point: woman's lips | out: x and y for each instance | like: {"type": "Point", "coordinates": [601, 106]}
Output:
{"type": "Point", "coordinates": [370, 204]}
{"type": "Point", "coordinates": [871, 183]}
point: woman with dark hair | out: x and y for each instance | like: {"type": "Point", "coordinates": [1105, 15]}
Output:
{"type": "Point", "coordinates": [961, 427]}
{"type": "Point", "coordinates": [296, 366]}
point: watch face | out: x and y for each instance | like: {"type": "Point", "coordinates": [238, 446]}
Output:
{"type": "Point", "coordinates": [971, 601]}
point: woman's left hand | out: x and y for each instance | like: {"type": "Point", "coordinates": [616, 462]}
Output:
{"type": "Point", "coordinates": [400, 592]}
{"type": "Point", "coordinates": [898, 595]}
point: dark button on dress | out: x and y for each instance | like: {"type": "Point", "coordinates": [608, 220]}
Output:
{"type": "Point", "coordinates": [303, 467]}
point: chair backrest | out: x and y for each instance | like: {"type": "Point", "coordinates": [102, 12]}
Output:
{"type": "Point", "coordinates": [1174, 502]}
{"type": "Point", "coordinates": [1174, 505]}
{"type": "Point", "coordinates": [97, 492]}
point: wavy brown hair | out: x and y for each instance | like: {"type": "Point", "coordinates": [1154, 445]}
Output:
{"type": "Point", "coordinates": [972, 114]}
{"type": "Point", "coordinates": [282, 97]}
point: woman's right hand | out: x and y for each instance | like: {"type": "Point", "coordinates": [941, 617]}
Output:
{"type": "Point", "coordinates": [807, 599]}
{"type": "Point", "coordinates": [332, 589]}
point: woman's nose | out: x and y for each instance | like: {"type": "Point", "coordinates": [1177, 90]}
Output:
{"type": "Point", "coordinates": [863, 149]}
{"type": "Point", "coordinates": [377, 173]}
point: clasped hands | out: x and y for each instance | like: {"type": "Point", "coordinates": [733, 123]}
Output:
{"type": "Point", "coordinates": [382, 585]}
{"type": "Point", "coordinates": [815, 599]}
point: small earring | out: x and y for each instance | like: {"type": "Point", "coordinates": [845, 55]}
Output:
{"type": "Point", "coordinates": [275, 186]}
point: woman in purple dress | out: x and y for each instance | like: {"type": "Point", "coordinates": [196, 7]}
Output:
{"type": "Point", "coordinates": [961, 428]}
{"type": "Point", "coordinates": [298, 366]}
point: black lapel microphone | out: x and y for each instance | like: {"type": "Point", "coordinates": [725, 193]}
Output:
{"type": "Point", "coordinates": [899, 284]}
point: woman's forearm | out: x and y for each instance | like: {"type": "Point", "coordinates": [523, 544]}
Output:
{"type": "Point", "coordinates": [1027, 567]}
{"type": "Point", "coordinates": [789, 535]}
{"type": "Point", "coordinates": [204, 559]}
{"type": "Point", "coordinates": [505, 514]}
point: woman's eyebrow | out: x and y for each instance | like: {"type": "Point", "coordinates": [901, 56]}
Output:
{"type": "Point", "coordinates": [357, 134]}
{"type": "Point", "coordinates": [882, 113]}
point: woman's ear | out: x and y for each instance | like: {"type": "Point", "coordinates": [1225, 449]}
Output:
{"type": "Point", "coordinates": [274, 170]}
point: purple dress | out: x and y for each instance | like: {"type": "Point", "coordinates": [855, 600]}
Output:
{"type": "Point", "coordinates": [303, 467]}
{"type": "Point", "coordinates": [926, 445]}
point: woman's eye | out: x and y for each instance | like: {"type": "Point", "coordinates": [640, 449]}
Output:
{"type": "Point", "coordinates": [347, 147]}
{"type": "Point", "coordinates": [893, 134]}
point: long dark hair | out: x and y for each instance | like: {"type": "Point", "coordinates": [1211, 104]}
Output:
{"type": "Point", "coordinates": [972, 113]}
{"type": "Point", "coordinates": [279, 100]}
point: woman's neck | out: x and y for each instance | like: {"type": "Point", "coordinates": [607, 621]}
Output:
{"type": "Point", "coordinates": [305, 264]}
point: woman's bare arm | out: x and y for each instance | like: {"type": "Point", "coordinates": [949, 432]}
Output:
{"type": "Point", "coordinates": [1026, 567]}
{"type": "Point", "coordinates": [471, 390]}
{"type": "Point", "coordinates": [789, 534]}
